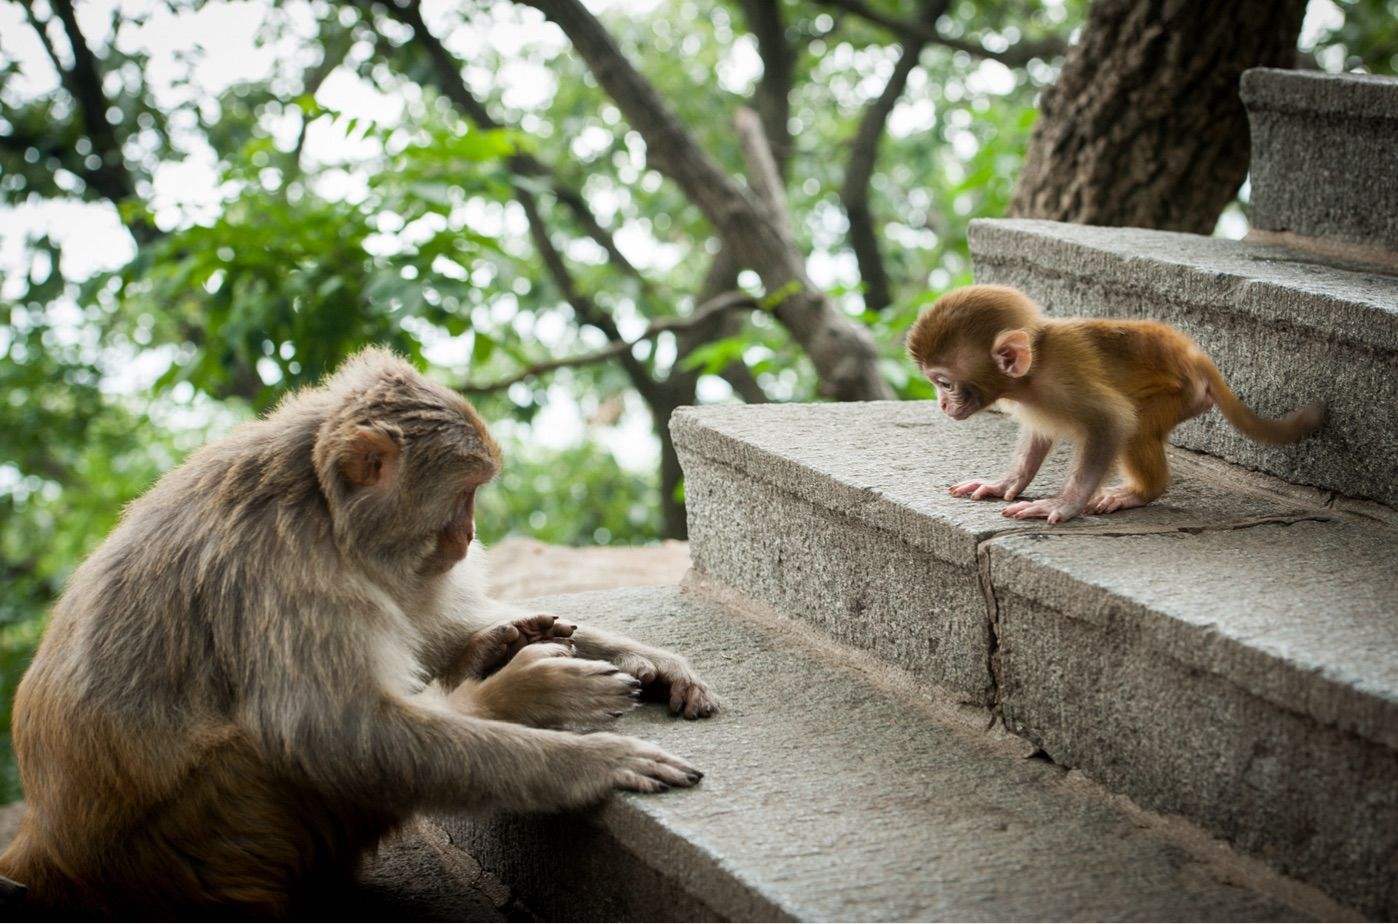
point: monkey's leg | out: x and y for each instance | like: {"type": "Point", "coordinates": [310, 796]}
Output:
{"type": "Point", "coordinates": [1099, 449]}
{"type": "Point", "coordinates": [1033, 449]}
{"type": "Point", "coordinates": [1147, 475]}
{"type": "Point", "coordinates": [668, 675]}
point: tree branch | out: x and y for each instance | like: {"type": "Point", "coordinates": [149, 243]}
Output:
{"type": "Point", "coordinates": [721, 277]}
{"type": "Point", "coordinates": [447, 74]}
{"type": "Point", "coordinates": [83, 81]}
{"type": "Point", "coordinates": [764, 176]}
{"type": "Point", "coordinates": [1017, 55]}
{"type": "Point", "coordinates": [730, 301]}
{"type": "Point", "coordinates": [333, 54]}
{"type": "Point", "coordinates": [859, 171]}
{"type": "Point", "coordinates": [772, 97]}
{"type": "Point", "coordinates": [842, 352]}
{"type": "Point", "coordinates": [586, 310]}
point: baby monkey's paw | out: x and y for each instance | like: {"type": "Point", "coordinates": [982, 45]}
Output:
{"type": "Point", "coordinates": [1116, 499]}
{"type": "Point", "coordinates": [493, 647]}
{"type": "Point", "coordinates": [1053, 509]}
{"type": "Point", "coordinates": [980, 489]}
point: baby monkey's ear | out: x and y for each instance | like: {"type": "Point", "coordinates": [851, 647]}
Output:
{"type": "Point", "coordinates": [370, 457]}
{"type": "Point", "coordinates": [1012, 353]}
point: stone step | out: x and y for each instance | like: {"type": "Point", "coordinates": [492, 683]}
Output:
{"type": "Point", "coordinates": [1229, 653]}
{"type": "Point", "coordinates": [835, 792]}
{"type": "Point", "coordinates": [1285, 327]}
{"type": "Point", "coordinates": [1324, 155]}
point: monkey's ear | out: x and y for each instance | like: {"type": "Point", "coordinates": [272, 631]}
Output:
{"type": "Point", "coordinates": [1012, 352]}
{"type": "Point", "coordinates": [370, 457]}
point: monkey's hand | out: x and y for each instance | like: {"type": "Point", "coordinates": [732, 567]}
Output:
{"type": "Point", "coordinates": [544, 686]}
{"type": "Point", "coordinates": [670, 678]}
{"type": "Point", "coordinates": [631, 764]}
{"type": "Point", "coordinates": [1054, 509]}
{"type": "Point", "coordinates": [1007, 488]}
{"type": "Point", "coordinates": [492, 648]}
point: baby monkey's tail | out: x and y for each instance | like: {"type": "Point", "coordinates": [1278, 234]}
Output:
{"type": "Point", "coordinates": [1295, 426]}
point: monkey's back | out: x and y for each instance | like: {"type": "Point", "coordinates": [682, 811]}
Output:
{"type": "Point", "coordinates": [133, 760]}
{"type": "Point", "coordinates": [1147, 361]}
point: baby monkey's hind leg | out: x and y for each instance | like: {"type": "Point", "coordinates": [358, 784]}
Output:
{"type": "Point", "coordinates": [1147, 475]}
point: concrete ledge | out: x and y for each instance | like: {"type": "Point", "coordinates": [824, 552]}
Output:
{"type": "Point", "coordinates": [1323, 161]}
{"type": "Point", "coordinates": [830, 795]}
{"type": "Point", "coordinates": [1230, 652]}
{"type": "Point", "coordinates": [1284, 327]}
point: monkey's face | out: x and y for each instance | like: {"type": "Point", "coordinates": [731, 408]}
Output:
{"type": "Point", "coordinates": [407, 457]}
{"type": "Point", "coordinates": [444, 468]}
{"type": "Point", "coordinates": [453, 538]}
{"type": "Point", "coordinates": [957, 397]}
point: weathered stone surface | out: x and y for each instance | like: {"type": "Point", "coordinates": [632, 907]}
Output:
{"type": "Point", "coordinates": [1234, 635]}
{"type": "Point", "coordinates": [1324, 154]}
{"type": "Point", "coordinates": [1284, 327]}
{"type": "Point", "coordinates": [839, 514]}
{"type": "Point", "coordinates": [828, 798]}
{"type": "Point", "coordinates": [1247, 678]}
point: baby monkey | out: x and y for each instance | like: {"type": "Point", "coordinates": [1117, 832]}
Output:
{"type": "Point", "coordinates": [1114, 388]}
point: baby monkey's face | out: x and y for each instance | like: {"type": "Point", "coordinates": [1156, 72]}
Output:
{"type": "Point", "coordinates": [958, 399]}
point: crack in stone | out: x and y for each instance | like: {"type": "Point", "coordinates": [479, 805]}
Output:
{"type": "Point", "coordinates": [994, 666]}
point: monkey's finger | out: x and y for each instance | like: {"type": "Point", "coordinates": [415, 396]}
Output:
{"type": "Point", "coordinates": [674, 776]}
{"type": "Point", "coordinates": [563, 629]}
{"type": "Point", "coordinates": [631, 781]}
{"type": "Point", "coordinates": [665, 757]}
{"type": "Point", "coordinates": [537, 626]}
{"type": "Point", "coordinates": [678, 691]}
{"type": "Point", "coordinates": [540, 650]}
{"type": "Point", "coordinates": [699, 704]}
{"type": "Point", "coordinates": [639, 668]}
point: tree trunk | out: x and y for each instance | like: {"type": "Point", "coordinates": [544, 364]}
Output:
{"type": "Point", "coordinates": [1145, 127]}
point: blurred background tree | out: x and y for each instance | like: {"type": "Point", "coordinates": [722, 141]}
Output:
{"type": "Point", "coordinates": [658, 204]}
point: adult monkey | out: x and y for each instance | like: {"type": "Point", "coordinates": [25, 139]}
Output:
{"type": "Point", "coordinates": [232, 700]}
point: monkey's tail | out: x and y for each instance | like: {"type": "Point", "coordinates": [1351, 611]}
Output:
{"type": "Point", "coordinates": [1295, 426]}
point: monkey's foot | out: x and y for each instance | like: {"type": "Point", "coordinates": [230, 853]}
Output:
{"type": "Point", "coordinates": [547, 687]}
{"type": "Point", "coordinates": [980, 489]}
{"type": "Point", "coordinates": [492, 648]}
{"type": "Point", "coordinates": [1116, 499]}
{"type": "Point", "coordinates": [1053, 509]}
{"type": "Point", "coordinates": [670, 678]}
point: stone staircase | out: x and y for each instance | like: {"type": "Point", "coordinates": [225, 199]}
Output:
{"type": "Point", "coordinates": [1186, 711]}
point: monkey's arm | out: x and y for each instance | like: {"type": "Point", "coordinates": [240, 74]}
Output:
{"type": "Point", "coordinates": [667, 673]}
{"type": "Point", "coordinates": [355, 741]}
{"type": "Point", "coordinates": [1033, 449]}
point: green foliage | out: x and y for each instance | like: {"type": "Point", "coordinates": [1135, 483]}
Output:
{"type": "Point", "coordinates": [574, 496]}
{"type": "Point", "coordinates": [1366, 37]}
